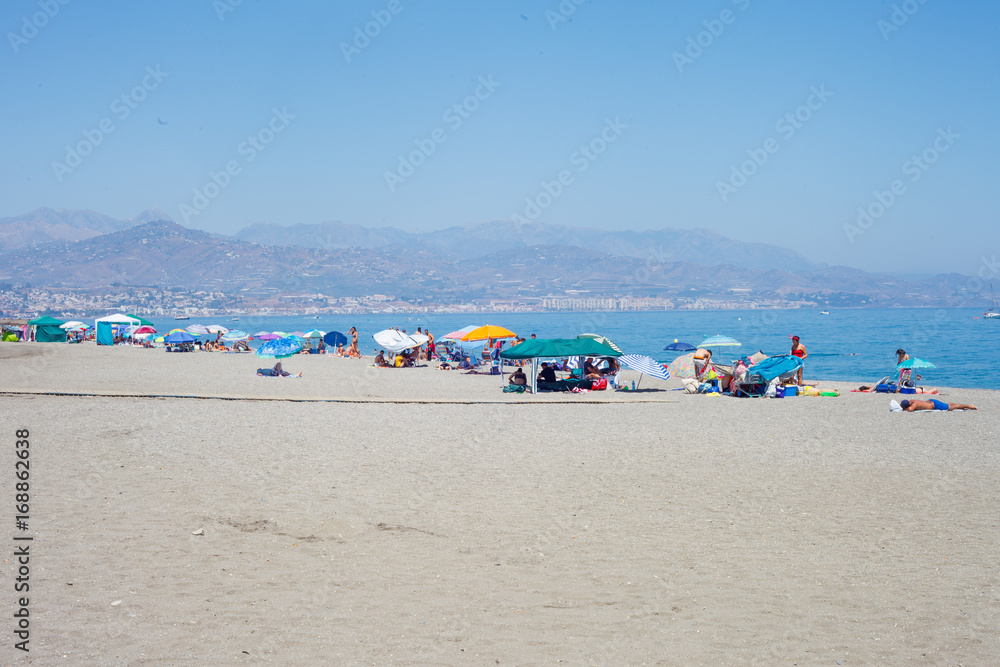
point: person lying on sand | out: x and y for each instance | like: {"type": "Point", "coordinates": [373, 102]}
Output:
{"type": "Point", "coordinates": [277, 372]}
{"type": "Point", "coordinates": [933, 404]}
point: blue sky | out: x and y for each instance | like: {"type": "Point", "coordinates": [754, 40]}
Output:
{"type": "Point", "coordinates": [890, 90]}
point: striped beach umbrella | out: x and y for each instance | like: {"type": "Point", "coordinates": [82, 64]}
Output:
{"type": "Point", "coordinates": [645, 365]}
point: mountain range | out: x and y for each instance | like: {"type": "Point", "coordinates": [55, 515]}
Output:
{"type": "Point", "coordinates": [45, 225]}
{"type": "Point", "coordinates": [486, 261]}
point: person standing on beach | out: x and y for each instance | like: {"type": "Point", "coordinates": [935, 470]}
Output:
{"type": "Point", "coordinates": [905, 374]}
{"type": "Point", "coordinates": [353, 351]}
{"type": "Point", "coordinates": [799, 350]}
{"type": "Point", "coordinates": [430, 344]}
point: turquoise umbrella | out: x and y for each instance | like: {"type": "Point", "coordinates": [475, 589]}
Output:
{"type": "Point", "coordinates": [279, 349]}
{"type": "Point", "coordinates": [720, 341]}
{"type": "Point", "coordinates": [914, 363]}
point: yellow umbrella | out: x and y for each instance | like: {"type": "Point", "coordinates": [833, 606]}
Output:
{"type": "Point", "coordinates": [489, 331]}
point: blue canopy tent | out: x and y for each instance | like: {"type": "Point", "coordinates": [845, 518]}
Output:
{"type": "Point", "coordinates": [766, 371]}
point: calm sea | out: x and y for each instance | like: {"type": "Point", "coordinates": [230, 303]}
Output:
{"type": "Point", "coordinates": [855, 345]}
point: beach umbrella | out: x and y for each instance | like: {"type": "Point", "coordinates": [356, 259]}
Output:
{"type": "Point", "coordinates": [179, 337]}
{"type": "Point", "coordinates": [235, 335]}
{"type": "Point", "coordinates": [335, 338]}
{"type": "Point", "coordinates": [680, 347]}
{"type": "Point", "coordinates": [279, 334]}
{"type": "Point", "coordinates": [297, 334]}
{"type": "Point", "coordinates": [682, 366]}
{"type": "Point", "coordinates": [267, 336]}
{"type": "Point", "coordinates": [396, 341]}
{"type": "Point", "coordinates": [488, 331]}
{"type": "Point", "coordinates": [602, 340]}
{"type": "Point", "coordinates": [645, 365]}
{"type": "Point", "coordinates": [175, 331]}
{"type": "Point", "coordinates": [315, 333]}
{"type": "Point", "coordinates": [720, 341]}
{"type": "Point", "coordinates": [279, 349]}
{"type": "Point", "coordinates": [198, 330]}
{"type": "Point", "coordinates": [914, 363]}
{"type": "Point", "coordinates": [216, 328]}
{"type": "Point", "coordinates": [458, 335]}
{"type": "Point", "coordinates": [71, 325]}
{"type": "Point", "coordinates": [262, 333]}
{"type": "Point", "coordinates": [158, 339]}
{"type": "Point", "coordinates": [144, 330]}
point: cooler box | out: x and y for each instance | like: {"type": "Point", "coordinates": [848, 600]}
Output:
{"type": "Point", "coordinates": [907, 390]}
{"type": "Point", "coordinates": [791, 390]}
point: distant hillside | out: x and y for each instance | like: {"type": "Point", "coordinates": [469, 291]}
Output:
{"type": "Point", "coordinates": [45, 225]}
{"type": "Point", "coordinates": [165, 254]}
{"type": "Point", "coordinates": [699, 246]}
{"type": "Point", "coordinates": [324, 235]}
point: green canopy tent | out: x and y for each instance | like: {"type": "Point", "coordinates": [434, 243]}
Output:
{"type": "Point", "coordinates": [47, 330]}
{"type": "Point", "coordinates": [557, 348]}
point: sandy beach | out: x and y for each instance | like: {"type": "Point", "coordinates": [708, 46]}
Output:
{"type": "Point", "coordinates": [413, 516]}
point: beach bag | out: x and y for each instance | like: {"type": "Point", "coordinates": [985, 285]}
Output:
{"type": "Point", "coordinates": [514, 389]}
{"type": "Point", "coordinates": [600, 385]}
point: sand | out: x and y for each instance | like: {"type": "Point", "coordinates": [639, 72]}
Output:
{"type": "Point", "coordinates": [606, 529]}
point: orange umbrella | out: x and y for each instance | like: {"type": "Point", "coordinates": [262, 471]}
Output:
{"type": "Point", "coordinates": [490, 331]}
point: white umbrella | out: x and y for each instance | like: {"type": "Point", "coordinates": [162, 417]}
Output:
{"type": "Point", "coordinates": [197, 330]}
{"type": "Point", "coordinates": [396, 341]}
{"type": "Point", "coordinates": [71, 325]}
{"type": "Point", "coordinates": [215, 328]}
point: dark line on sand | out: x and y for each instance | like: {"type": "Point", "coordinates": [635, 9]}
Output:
{"type": "Point", "coordinates": [398, 401]}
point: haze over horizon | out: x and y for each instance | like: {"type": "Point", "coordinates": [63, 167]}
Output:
{"type": "Point", "coordinates": [642, 122]}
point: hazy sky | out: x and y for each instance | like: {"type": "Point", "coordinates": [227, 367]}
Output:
{"type": "Point", "coordinates": [655, 114]}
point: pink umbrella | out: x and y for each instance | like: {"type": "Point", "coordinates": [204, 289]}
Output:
{"type": "Point", "coordinates": [266, 336]}
{"type": "Point", "coordinates": [145, 330]}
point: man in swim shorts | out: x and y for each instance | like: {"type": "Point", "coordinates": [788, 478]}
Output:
{"type": "Point", "coordinates": [933, 404]}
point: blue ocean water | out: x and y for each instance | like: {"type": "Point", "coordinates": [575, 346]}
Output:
{"type": "Point", "coordinates": [856, 345]}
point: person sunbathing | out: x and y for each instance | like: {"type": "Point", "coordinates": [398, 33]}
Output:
{"type": "Point", "coordinates": [380, 360]}
{"type": "Point", "coordinates": [518, 377]}
{"type": "Point", "coordinates": [934, 404]}
{"type": "Point", "coordinates": [277, 372]}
